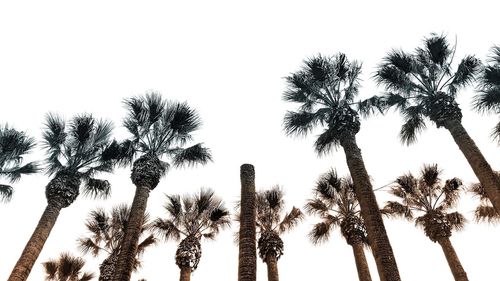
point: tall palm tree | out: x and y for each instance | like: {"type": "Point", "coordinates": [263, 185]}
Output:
{"type": "Point", "coordinates": [77, 150]}
{"type": "Point", "coordinates": [424, 87]}
{"type": "Point", "coordinates": [159, 128]}
{"type": "Point", "coordinates": [271, 224]}
{"type": "Point", "coordinates": [66, 268]}
{"type": "Point", "coordinates": [325, 88]}
{"type": "Point", "coordinates": [484, 212]}
{"type": "Point", "coordinates": [106, 232]}
{"type": "Point", "coordinates": [14, 145]}
{"type": "Point", "coordinates": [431, 200]}
{"type": "Point", "coordinates": [191, 218]}
{"type": "Point", "coordinates": [247, 254]}
{"type": "Point", "coordinates": [335, 202]}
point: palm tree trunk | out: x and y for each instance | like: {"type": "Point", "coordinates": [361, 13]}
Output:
{"type": "Point", "coordinates": [272, 268]}
{"type": "Point", "coordinates": [128, 247]}
{"type": "Point", "coordinates": [361, 263]}
{"type": "Point", "coordinates": [452, 259]}
{"type": "Point", "coordinates": [476, 160]}
{"type": "Point", "coordinates": [185, 274]}
{"type": "Point", "coordinates": [377, 235]}
{"type": "Point", "coordinates": [107, 267]}
{"type": "Point", "coordinates": [34, 246]}
{"type": "Point", "coordinates": [247, 259]}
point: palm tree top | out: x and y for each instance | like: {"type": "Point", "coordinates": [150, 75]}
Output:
{"type": "Point", "coordinates": [81, 147]}
{"type": "Point", "coordinates": [14, 145]}
{"type": "Point", "coordinates": [195, 215]}
{"type": "Point", "coordinates": [66, 267]}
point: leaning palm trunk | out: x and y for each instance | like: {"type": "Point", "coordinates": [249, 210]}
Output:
{"type": "Point", "coordinates": [477, 161]}
{"type": "Point", "coordinates": [451, 256]}
{"type": "Point", "coordinates": [125, 263]}
{"type": "Point", "coordinates": [107, 267]}
{"type": "Point", "coordinates": [247, 259]}
{"type": "Point", "coordinates": [272, 268]}
{"type": "Point", "coordinates": [361, 263]}
{"type": "Point", "coordinates": [379, 242]}
{"type": "Point", "coordinates": [185, 273]}
{"type": "Point", "coordinates": [34, 246]}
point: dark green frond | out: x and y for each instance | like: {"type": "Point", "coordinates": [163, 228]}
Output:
{"type": "Point", "coordinates": [14, 173]}
{"type": "Point", "coordinates": [196, 154]}
{"type": "Point", "coordinates": [97, 188]}
{"type": "Point", "coordinates": [395, 79]}
{"type": "Point", "coordinates": [326, 141]}
{"type": "Point", "coordinates": [371, 105]}
{"type": "Point", "coordinates": [184, 120]}
{"type": "Point", "coordinates": [300, 123]}
{"type": "Point", "coordinates": [466, 73]}
{"type": "Point", "coordinates": [54, 134]}
{"type": "Point", "coordinates": [438, 48]}
{"type": "Point", "coordinates": [5, 192]}
{"type": "Point", "coordinates": [495, 133]}
{"type": "Point", "coordinates": [414, 123]}
{"type": "Point", "coordinates": [456, 220]}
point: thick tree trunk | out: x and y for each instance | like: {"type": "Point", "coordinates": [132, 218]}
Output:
{"type": "Point", "coordinates": [361, 263]}
{"type": "Point", "coordinates": [247, 259]}
{"type": "Point", "coordinates": [34, 246]}
{"type": "Point", "coordinates": [128, 248]}
{"type": "Point", "coordinates": [377, 235]}
{"type": "Point", "coordinates": [476, 160]}
{"type": "Point", "coordinates": [451, 257]}
{"type": "Point", "coordinates": [272, 268]}
{"type": "Point", "coordinates": [185, 274]}
{"type": "Point", "coordinates": [107, 267]}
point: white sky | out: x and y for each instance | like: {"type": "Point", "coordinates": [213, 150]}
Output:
{"type": "Point", "coordinates": [228, 61]}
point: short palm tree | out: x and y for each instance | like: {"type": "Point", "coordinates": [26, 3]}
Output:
{"type": "Point", "coordinates": [106, 232]}
{"type": "Point", "coordinates": [325, 88]}
{"type": "Point", "coordinates": [271, 224]}
{"type": "Point", "coordinates": [191, 218]}
{"type": "Point", "coordinates": [77, 150]}
{"type": "Point", "coordinates": [424, 87]}
{"type": "Point", "coordinates": [335, 203]}
{"type": "Point", "coordinates": [14, 145]}
{"type": "Point", "coordinates": [66, 268]}
{"type": "Point", "coordinates": [431, 200]}
{"type": "Point", "coordinates": [159, 128]}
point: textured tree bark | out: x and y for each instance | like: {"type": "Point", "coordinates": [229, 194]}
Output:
{"type": "Point", "coordinates": [451, 257]}
{"type": "Point", "coordinates": [128, 248]}
{"type": "Point", "coordinates": [247, 258]}
{"type": "Point", "coordinates": [35, 244]}
{"type": "Point", "coordinates": [107, 267]}
{"type": "Point", "coordinates": [185, 274]}
{"type": "Point", "coordinates": [361, 263]}
{"type": "Point", "coordinates": [476, 160]}
{"type": "Point", "coordinates": [377, 235]}
{"type": "Point", "coordinates": [272, 268]}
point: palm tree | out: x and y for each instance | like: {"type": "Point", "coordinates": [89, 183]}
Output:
{"type": "Point", "coordinates": [271, 224]}
{"type": "Point", "coordinates": [424, 87]}
{"type": "Point", "coordinates": [247, 254]}
{"type": "Point", "coordinates": [13, 146]}
{"type": "Point", "coordinates": [335, 202]}
{"type": "Point", "coordinates": [192, 217]}
{"type": "Point", "coordinates": [106, 233]}
{"type": "Point", "coordinates": [325, 88]}
{"type": "Point", "coordinates": [484, 212]}
{"type": "Point", "coordinates": [431, 200]}
{"type": "Point", "coordinates": [76, 151]}
{"type": "Point", "coordinates": [159, 128]}
{"type": "Point", "coordinates": [66, 268]}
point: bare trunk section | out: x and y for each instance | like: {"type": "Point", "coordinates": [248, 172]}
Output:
{"type": "Point", "coordinates": [128, 248]}
{"type": "Point", "coordinates": [451, 257]}
{"type": "Point", "coordinates": [247, 258]}
{"type": "Point", "coordinates": [272, 268]}
{"type": "Point", "coordinates": [476, 160]}
{"type": "Point", "coordinates": [361, 263]}
{"type": "Point", "coordinates": [185, 274]}
{"type": "Point", "coordinates": [377, 235]}
{"type": "Point", "coordinates": [34, 246]}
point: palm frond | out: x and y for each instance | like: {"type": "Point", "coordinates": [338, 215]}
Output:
{"type": "Point", "coordinates": [290, 220]}
{"type": "Point", "coordinates": [50, 268]}
{"type": "Point", "coordinates": [196, 154]}
{"type": "Point", "coordinates": [97, 188]}
{"type": "Point", "coordinates": [54, 134]}
{"type": "Point", "coordinates": [87, 276]}
{"type": "Point", "coordinates": [6, 192]}
{"type": "Point", "coordinates": [430, 174]}
{"type": "Point", "coordinates": [174, 207]}
{"type": "Point", "coordinates": [466, 73]}
{"type": "Point", "coordinates": [456, 220]}
{"type": "Point", "coordinates": [486, 213]}
{"type": "Point", "coordinates": [321, 231]}
{"type": "Point", "coordinates": [414, 123]}
{"type": "Point", "coordinates": [184, 120]}
{"type": "Point", "coordinates": [371, 105]}
{"type": "Point", "coordinates": [300, 123]}
{"type": "Point", "coordinates": [167, 229]}
{"type": "Point", "coordinates": [326, 141]}
{"type": "Point", "coordinates": [393, 208]}
{"type": "Point", "coordinates": [438, 48]}
{"type": "Point", "coordinates": [451, 193]}
{"type": "Point", "coordinates": [86, 246]}
{"type": "Point", "coordinates": [316, 206]}
{"type": "Point", "coordinates": [148, 241]}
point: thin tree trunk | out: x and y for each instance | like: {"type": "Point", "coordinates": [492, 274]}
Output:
{"type": "Point", "coordinates": [34, 246]}
{"type": "Point", "coordinates": [377, 235]}
{"type": "Point", "coordinates": [185, 274]}
{"type": "Point", "coordinates": [361, 263]}
{"type": "Point", "coordinates": [247, 259]}
{"type": "Point", "coordinates": [451, 257]}
{"type": "Point", "coordinates": [272, 268]}
{"type": "Point", "coordinates": [476, 160]}
{"type": "Point", "coordinates": [128, 247]}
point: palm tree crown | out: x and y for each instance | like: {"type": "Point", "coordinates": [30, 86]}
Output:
{"type": "Point", "coordinates": [427, 197]}
{"type": "Point", "coordinates": [192, 217]}
{"type": "Point", "coordinates": [271, 222]}
{"type": "Point", "coordinates": [336, 204]}
{"type": "Point", "coordinates": [77, 150]}
{"type": "Point", "coordinates": [14, 145]}
{"type": "Point", "coordinates": [423, 84]}
{"type": "Point", "coordinates": [65, 268]}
